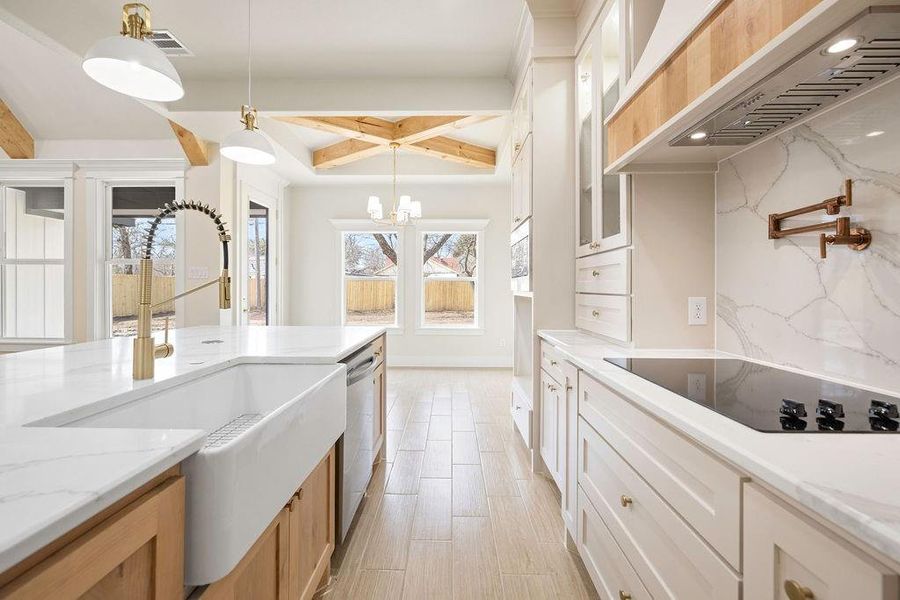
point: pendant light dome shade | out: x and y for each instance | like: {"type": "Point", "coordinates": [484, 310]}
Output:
{"type": "Point", "coordinates": [248, 146]}
{"type": "Point", "coordinates": [131, 66]}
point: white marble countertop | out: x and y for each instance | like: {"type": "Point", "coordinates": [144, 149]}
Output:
{"type": "Point", "coordinates": [849, 480]}
{"type": "Point", "coordinates": [53, 478]}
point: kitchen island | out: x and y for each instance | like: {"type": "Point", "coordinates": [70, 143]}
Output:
{"type": "Point", "coordinates": [55, 477]}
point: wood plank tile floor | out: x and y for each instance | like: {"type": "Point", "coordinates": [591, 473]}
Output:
{"type": "Point", "coordinates": [454, 511]}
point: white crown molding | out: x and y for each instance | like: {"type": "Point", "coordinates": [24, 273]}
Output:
{"type": "Point", "coordinates": [36, 169]}
{"type": "Point", "coordinates": [137, 169]}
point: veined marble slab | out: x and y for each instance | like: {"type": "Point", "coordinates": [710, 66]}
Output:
{"type": "Point", "coordinates": [60, 385]}
{"type": "Point", "coordinates": [848, 480]}
{"type": "Point", "coordinates": [54, 478]}
{"type": "Point", "coordinates": [777, 300]}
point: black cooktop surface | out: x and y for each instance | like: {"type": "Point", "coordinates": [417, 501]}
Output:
{"type": "Point", "coordinates": [769, 399]}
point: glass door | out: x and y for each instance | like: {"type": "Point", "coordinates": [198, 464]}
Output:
{"type": "Point", "coordinates": [585, 131]}
{"type": "Point", "coordinates": [258, 265]}
{"type": "Point", "coordinates": [256, 255]}
{"type": "Point", "coordinates": [611, 227]}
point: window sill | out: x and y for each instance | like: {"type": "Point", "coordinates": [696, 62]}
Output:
{"type": "Point", "coordinates": [20, 345]}
{"type": "Point", "coordinates": [449, 330]}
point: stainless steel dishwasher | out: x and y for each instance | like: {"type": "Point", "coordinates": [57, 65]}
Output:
{"type": "Point", "coordinates": [356, 448]}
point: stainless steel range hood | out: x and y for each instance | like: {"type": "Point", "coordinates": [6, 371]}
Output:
{"type": "Point", "coordinates": [810, 82]}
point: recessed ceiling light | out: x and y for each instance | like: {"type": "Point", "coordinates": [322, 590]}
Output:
{"type": "Point", "coordinates": [842, 45]}
{"type": "Point", "coordinates": [875, 133]}
{"type": "Point", "coordinates": [698, 135]}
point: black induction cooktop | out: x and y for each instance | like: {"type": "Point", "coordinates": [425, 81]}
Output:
{"type": "Point", "coordinates": [769, 399]}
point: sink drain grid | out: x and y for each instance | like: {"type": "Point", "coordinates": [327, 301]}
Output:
{"type": "Point", "coordinates": [232, 429]}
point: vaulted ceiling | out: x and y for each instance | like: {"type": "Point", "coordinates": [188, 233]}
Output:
{"type": "Point", "coordinates": [388, 59]}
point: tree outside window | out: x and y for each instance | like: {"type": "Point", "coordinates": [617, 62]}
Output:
{"type": "Point", "coordinates": [449, 279]}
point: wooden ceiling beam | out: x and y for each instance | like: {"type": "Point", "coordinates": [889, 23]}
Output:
{"type": "Point", "coordinates": [194, 147]}
{"type": "Point", "coordinates": [367, 129]}
{"type": "Point", "coordinates": [14, 138]}
{"type": "Point", "coordinates": [345, 152]}
{"type": "Point", "coordinates": [456, 151]}
{"type": "Point", "coordinates": [417, 129]}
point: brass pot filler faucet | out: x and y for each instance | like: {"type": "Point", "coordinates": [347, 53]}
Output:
{"type": "Point", "coordinates": [145, 351]}
{"type": "Point", "coordinates": [857, 238]}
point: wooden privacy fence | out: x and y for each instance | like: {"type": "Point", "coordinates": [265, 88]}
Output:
{"type": "Point", "coordinates": [252, 300]}
{"type": "Point", "coordinates": [366, 294]}
{"type": "Point", "coordinates": [126, 294]}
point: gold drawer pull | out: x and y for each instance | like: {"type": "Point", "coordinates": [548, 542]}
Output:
{"type": "Point", "coordinates": [553, 363]}
{"type": "Point", "coordinates": [624, 596]}
{"type": "Point", "coordinates": [551, 387]}
{"type": "Point", "coordinates": [595, 273]}
{"type": "Point", "coordinates": [795, 591]}
{"type": "Point", "coordinates": [626, 501]}
{"type": "Point", "coordinates": [596, 314]}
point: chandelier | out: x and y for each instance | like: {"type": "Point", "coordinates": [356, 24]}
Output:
{"type": "Point", "coordinates": [403, 209]}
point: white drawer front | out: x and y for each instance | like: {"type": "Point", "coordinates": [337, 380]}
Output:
{"type": "Point", "coordinates": [702, 489]}
{"type": "Point", "coordinates": [606, 315]}
{"type": "Point", "coordinates": [553, 363]}
{"type": "Point", "coordinates": [605, 273]}
{"type": "Point", "coordinates": [670, 558]}
{"type": "Point", "coordinates": [782, 548]}
{"type": "Point", "coordinates": [610, 571]}
{"type": "Point", "coordinates": [521, 413]}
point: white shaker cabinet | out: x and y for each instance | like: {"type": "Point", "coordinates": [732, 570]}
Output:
{"type": "Point", "coordinates": [787, 557]}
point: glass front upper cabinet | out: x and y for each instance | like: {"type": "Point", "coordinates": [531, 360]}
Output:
{"type": "Point", "coordinates": [586, 135]}
{"type": "Point", "coordinates": [603, 200]}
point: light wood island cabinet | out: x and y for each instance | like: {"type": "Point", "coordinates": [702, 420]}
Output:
{"type": "Point", "coordinates": [133, 550]}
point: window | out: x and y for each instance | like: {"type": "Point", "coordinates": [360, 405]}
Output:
{"type": "Point", "coordinates": [258, 265]}
{"type": "Point", "coordinates": [370, 277]}
{"type": "Point", "coordinates": [450, 279]}
{"type": "Point", "coordinates": [133, 210]}
{"type": "Point", "coordinates": [33, 262]}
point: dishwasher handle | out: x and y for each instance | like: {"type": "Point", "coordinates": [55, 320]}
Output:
{"type": "Point", "coordinates": [361, 371]}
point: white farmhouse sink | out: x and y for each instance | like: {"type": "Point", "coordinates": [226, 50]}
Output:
{"type": "Point", "coordinates": [268, 425]}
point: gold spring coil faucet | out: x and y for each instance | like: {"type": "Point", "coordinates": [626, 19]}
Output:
{"type": "Point", "coordinates": [145, 350]}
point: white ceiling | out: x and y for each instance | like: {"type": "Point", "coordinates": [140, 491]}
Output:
{"type": "Point", "coordinates": [411, 45]}
{"type": "Point", "coordinates": [309, 39]}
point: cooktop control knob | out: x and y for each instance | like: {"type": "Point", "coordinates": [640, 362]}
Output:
{"type": "Point", "coordinates": [830, 410]}
{"type": "Point", "coordinates": [883, 410]}
{"type": "Point", "coordinates": [792, 408]}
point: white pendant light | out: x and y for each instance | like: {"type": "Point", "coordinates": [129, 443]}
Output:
{"type": "Point", "coordinates": [129, 65]}
{"type": "Point", "coordinates": [248, 145]}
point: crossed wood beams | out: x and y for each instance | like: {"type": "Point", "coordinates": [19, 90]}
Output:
{"type": "Point", "coordinates": [371, 135]}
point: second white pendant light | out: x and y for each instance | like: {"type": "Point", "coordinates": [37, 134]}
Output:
{"type": "Point", "coordinates": [248, 145]}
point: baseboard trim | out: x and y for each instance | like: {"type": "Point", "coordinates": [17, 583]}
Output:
{"type": "Point", "coordinates": [493, 362]}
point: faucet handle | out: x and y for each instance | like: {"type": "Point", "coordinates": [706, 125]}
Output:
{"type": "Point", "coordinates": [165, 349]}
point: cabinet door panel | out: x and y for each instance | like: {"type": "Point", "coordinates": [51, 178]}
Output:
{"type": "Point", "coordinates": [136, 553]}
{"type": "Point", "coordinates": [380, 416]}
{"type": "Point", "coordinates": [783, 548]}
{"type": "Point", "coordinates": [312, 520]}
{"type": "Point", "coordinates": [549, 412]}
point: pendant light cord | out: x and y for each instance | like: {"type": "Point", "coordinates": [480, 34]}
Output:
{"type": "Point", "coordinates": [394, 198]}
{"type": "Point", "coordinates": [249, 55]}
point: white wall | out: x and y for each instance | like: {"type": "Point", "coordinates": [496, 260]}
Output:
{"type": "Point", "coordinates": [312, 267]}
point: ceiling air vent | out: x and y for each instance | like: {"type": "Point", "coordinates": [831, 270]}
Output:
{"type": "Point", "coordinates": [166, 41]}
{"type": "Point", "coordinates": [863, 52]}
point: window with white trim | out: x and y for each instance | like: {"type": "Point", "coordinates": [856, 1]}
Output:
{"type": "Point", "coordinates": [33, 262]}
{"type": "Point", "coordinates": [133, 210]}
{"type": "Point", "coordinates": [370, 277]}
{"type": "Point", "coordinates": [450, 283]}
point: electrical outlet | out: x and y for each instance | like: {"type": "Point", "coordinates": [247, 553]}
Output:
{"type": "Point", "coordinates": [696, 387]}
{"type": "Point", "coordinates": [502, 343]}
{"type": "Point", "coordinates": [697, 310]}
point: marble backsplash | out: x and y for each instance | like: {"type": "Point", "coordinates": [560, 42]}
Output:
{"type": "Point", "coordinates": [776, 300]}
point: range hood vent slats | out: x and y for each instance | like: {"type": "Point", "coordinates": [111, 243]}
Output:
{"type": "Point", "coordinates": [808, 83]}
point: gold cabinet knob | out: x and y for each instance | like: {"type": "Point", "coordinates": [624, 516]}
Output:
{"type": "Point", "coordinates": [624, 595]}
{"type": "Point", "coordinates": [553, 363]}
{"type": "Point", "coordinates": [596, 314]}
{"type": "Point", "coordinates": [517, 219]}
{"type": "Point", "coordinates": [626, 501]}
{"type": "Point", "coordinates": [518, 146]}
{"type": "Point", "coordinates": [595, 273]}
{"type": "Point", "coordinates": [795, 591]}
